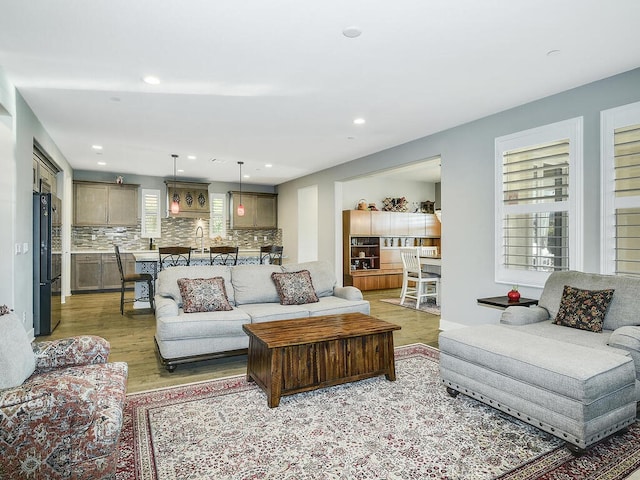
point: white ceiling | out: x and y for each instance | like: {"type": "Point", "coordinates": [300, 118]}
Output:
{"type": "Point", "coordinates": [277, 82]}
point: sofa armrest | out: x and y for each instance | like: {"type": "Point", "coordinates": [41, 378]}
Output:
{"type": "Point", "coordinates": [44, 418]}
{"type": "Point", "coordinates": [72, 351]}
{"type": "Point", "coordinates": [628, 338]}
{"type": "Point", "coordinates": [165, 307]}
{"type": "Point", "coordinates": [348, 293]}
{"type": "Point", "coordinates": [517, 315]}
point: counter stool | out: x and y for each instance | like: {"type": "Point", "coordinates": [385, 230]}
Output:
{"type": "Point", "coordinates": [133, 278]}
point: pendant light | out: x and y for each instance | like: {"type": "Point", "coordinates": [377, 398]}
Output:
{"type": "Point", "coordinates": [175, 198]}
{"type": "Point", "coordinates": [240, 206]}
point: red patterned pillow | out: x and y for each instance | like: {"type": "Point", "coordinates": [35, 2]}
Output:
{"type": "Point", "coordinates": [295, 288]}
{"type": "Point", "coordinates": [583, 309]}
{"type": "Point", "coordinates": [203, 295]}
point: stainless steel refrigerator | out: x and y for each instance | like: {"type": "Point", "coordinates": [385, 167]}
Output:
{"type": "Point", "coordinates": [47, 262]}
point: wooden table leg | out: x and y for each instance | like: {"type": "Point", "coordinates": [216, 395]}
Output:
{"type": "Point", "coordinates": [274, 389]}
{"type": "Point", "coordinates": [390, 358]}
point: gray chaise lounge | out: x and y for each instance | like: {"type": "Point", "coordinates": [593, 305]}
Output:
{"type": "Point", "coordinates": [578, 385]}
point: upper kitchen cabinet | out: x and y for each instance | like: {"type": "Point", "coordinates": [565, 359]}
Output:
{"type": "Point", "coordinates": [104, 204]}
{"type": "Point", "coordinates": [192, 197]}
{"type": "Point", "coordinates": [260, 210]}
{"type": "Point", "coordinates": [358, 222]}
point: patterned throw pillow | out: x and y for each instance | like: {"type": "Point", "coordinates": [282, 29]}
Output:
{"type": "Point", "coordinates": [203, 295]}
{"type": "Point", "coordinates": [583, 309]}
{"type": "Point", "coordinates": [295, 288]}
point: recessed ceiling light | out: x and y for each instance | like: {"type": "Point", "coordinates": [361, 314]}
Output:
{"type": "Point", "coordinates": [102, 163]}
{"type": "Point", "coordinates": [96, 147]}
{"type": "Point", "coordinates": [180, 170]}
{"type": "Point", "coordinates": [352, 32]}
{"type": "Point", "coordinates": [191, 157]}
{"type": "Point", "coordinates": [151, 80]}
{"type": "Point", "coordinates": [246, 176]}
{"type": "Point", "coordinates": [268, 165]}
{"type": "Point", "coordinates": [359, 121]}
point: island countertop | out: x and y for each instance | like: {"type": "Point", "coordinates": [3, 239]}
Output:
{"type": "Point", "coordinates": [152, 255]}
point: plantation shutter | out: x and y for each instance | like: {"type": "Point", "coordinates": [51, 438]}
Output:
{"type": "Point", "coordinates": [151, 226]}
{"type": "Point", "coordinates": [627, 186]}
{"type": "Point", "coordinates": [217, 221]}
{"type": "Point", "coordinates": [535, 186]}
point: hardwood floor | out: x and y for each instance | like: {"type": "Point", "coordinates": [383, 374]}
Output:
{"type": "Point", "coordinates": [131, 337]}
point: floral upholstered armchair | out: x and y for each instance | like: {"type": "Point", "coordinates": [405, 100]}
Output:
{"type": "Point", "coordinates": [61, 406]}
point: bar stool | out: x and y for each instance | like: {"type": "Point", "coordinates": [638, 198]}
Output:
{"type": "Point", "coordinates": [133, 278]}
{"type": "Point", "coordinates": [272, 253]}
{"type": "Point", "coordinates": [223, 255]}
{"type": "Point", "coordinates": [174, 256]}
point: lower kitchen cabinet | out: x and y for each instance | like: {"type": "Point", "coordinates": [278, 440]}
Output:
{"type": "Point", "coordinates": [92, 272]}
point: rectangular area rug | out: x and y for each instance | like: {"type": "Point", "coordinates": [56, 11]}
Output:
{"type": "Point", "coordinates": [374, 428]}
{"type": "Point", "coordinates": [425, 306]}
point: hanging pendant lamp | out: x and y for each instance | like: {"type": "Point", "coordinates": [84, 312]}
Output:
{"type": "Point", "coordinates": [240, 206]}
{"type": "Point", "coordinates": [175, 198]}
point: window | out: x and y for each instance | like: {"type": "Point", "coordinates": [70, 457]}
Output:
{"type": "Point", "coordinates": [538, 202]}
{"type": "Point", "coordinates": [150, 214]}
{"type": "Point", "coordinates": [620, 160]}
{"type": "Point", "coordinates": [218, 215]}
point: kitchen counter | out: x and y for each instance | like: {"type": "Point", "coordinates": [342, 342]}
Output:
{"type": "Point", "coordinates": [152, 255]}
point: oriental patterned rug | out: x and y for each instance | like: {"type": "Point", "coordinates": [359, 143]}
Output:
{"type": "Point", "coordinates": [407, 429]}
{"type": "Point", "coordinates": [428, 305]}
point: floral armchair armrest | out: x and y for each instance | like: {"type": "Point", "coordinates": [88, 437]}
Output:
{"type": "Point", "coordinates": [42, 421]}
{"type": "Point", "coordinates": [68, 352]}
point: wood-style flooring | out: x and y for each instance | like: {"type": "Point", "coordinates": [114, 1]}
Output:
{"type": "Point", "coordinates": [131, 336]}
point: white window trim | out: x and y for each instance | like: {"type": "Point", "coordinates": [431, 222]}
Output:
{"type": "Point", "coordinates": [143, 228]}
{"type": "Point", "coordinates": [571, 129]}
{"type": "Point", "coordinates": [225, 210]}
{"type": "Point", "coordinates": [609, 121]}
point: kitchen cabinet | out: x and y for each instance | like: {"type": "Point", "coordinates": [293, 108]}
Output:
{"type": "Point", "coordinates": [105, 204]}
{"type": "Point", "coordinates": [192, 197]}
{"type": "Point", "coordinates": [260, 210]}
{"type": "Point", "coordinates": [357, 222]}
{"type": "Point", "coordinates": [98, 271]}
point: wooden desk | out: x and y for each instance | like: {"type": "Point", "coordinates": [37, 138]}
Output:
{"type": "Point", "coordinates": [504, 302]}
{"type": "Point", "coordinates": [292, 356]}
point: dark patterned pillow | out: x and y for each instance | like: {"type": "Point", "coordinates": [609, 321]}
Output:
{"type": "Point", "coordinates": [203, 295]}
{"type": "Point", "coordinates": [583, 309]}
{"type": "Point", "coordinates": [295, 288]}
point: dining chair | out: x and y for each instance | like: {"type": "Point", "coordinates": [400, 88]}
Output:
{"type": "Point", "coordinates": [174, 256]}
{"type": "Point", "coordinates": [133, 278]}
{"type": "Point", "coordinates": [428, 251]}
{"type": "Point", "coordinates": [417, 284]}
{"type": "Point", "coordinates": [223, 255]}
{"type": "Point", "coordinates": [271, 254]}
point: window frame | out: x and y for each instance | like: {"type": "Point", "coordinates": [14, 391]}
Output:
{"type": "Point", "coordinates": [144, 232]}
{"type": "Point", "coordinates": [610, 120]}
{"type": "Point", "coordinates": [223, 232]}
{"type": "Point", "coordinates": [573, 130]}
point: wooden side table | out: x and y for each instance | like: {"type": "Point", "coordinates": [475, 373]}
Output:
{"type": "Point", "coordinates": [504, 302]}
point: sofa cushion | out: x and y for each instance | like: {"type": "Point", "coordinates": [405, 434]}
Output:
{"type": "Point", "coordinates": [17, 361]}
{"type": "Point", "coordinates": [167, 285]}
{"type": "Point", "coordinates": [253, 284]}
{"type": "Point", "coordinates": [322, 275]}
{"type": "Point", "coordinates": [202, 325]}
{"type": "Point", "coordinates": [337, 305]}
{"type": "Point", "coordinates": [625, 303]}
{"type": "Point", "coordinates": [294, 288]}
{"type": "Point", "coordinates": [267, 312]}
{"type": "Point", "coordinates": [583, 309]}
{"type": "Point", "coordinates": [203, 295]}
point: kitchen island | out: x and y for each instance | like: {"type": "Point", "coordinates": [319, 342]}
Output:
{"type": "Point", "coordinates": [148, 261]}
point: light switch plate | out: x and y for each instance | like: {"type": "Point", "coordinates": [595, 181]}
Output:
{"type": "Point", "coordinates": [25, 247]}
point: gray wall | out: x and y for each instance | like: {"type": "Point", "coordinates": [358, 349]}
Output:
{"type": "Point", "coordinates": [17, 290]}
{"type": "Point", "coordinates": [467, 191]}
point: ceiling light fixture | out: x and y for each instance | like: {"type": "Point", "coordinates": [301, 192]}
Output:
{"type": "Point", "coordinates": [96, 147]}
{"type": "Point", "coordinates": [240, 206]}
{"type": "Point", "coordinates": [191, 157]}
{"type": "Point", "coordinates": [151, 80]}
{"type": "Point", "coordinates": [102, 164]}
{"type": "Point", "coordinates": [352, 32]}
{"type": "Point", "coordinates": [175, 198]}
{"type": "Point", "coordinates": [359, 121]}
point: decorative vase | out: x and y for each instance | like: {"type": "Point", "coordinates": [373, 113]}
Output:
{"type": "Point", "coordinates": [514, 295]}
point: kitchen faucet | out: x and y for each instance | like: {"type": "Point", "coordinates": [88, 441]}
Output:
{"type": "Point", "coordinates": [201, 236]}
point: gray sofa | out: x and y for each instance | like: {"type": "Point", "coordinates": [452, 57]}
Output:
{"type": "Point", "coordinates": [186, 337]}
{"type": "Point", "coordinates": [576, 384]}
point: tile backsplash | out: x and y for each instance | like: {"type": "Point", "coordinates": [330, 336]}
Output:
{"type": "Point", "coordinates": [175, 231]}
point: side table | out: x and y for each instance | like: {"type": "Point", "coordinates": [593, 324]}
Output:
{"type": "Point", "coordinates": [504, 302]}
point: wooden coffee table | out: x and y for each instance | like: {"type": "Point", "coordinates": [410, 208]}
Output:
{"type": "Point", "coordinates": [292, 356]}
